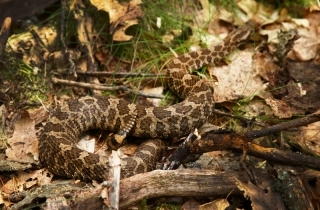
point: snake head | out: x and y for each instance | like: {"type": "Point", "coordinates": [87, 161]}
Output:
{"type": "Point", "coordinates": [240, 35]}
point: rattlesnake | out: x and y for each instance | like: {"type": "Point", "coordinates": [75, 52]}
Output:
{"type": "Point", "coordinates": [57, 146]}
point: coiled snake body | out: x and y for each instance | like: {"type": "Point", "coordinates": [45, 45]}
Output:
{"type": "Point", "coordinates": [57, 146]}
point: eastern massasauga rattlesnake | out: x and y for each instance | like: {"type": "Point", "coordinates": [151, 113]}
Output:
{"type": "Point", "coordinates": [57, 148]}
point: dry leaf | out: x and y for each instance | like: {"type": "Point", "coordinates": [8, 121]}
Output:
{"type": "Point", "coordinates": [308, 138]}
{"type": "Point", "coordinates": [258, 13]}
{"type": "Point", "coordinates": [155, 91]}
{"type": "Point", "coordinates": [280, 108]}
{"type": "Point", "coordinates": [119, 34]}
{"type": "Point", "coordinates": [257, 108]}
{"type": "Point", "coordinates": [24, 181]}
{"type": "Point", "coordinates": [114, 8]}
{"type": "Point", "coordinates": [250, 7]}
{"type": "Point", "coordinates": [190, 204]}
{"type": "Point", "coordinates": [38, 114]}
{"type": "Point", "coordinates": [236, 80]}
{"type": "Point", "coordinates": [215, 205]}
{"type": "Point", "coordinates": [262, 197]}
{"type": "Point", "coordinates": [24, 142]}
{"type": "Point", "coordinates": [218, 160]}
{"type": "Point", "coordinates": [314, 7]}
{"type": "Point", "coordinates": [31, 49]}
{"type": "Point", "coordinates": [307, 46]}
{"type": "Point", "coordinates": [127, 150]}
{"type": "Point", "coordinates": [122, 15]}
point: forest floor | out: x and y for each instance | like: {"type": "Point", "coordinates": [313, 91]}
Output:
{"type": "Point", "coordinates": [261, 148]}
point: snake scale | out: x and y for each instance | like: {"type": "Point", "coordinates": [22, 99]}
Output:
{"type": "Point", "coordinates": [57, 147]}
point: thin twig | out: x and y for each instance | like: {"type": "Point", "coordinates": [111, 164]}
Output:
{"type": "Point", "coordinates": [115, 74]}
{"type": "Point", "coordinates": [102, 87]}
{"type": "Point", "coordinates": [314, 117]}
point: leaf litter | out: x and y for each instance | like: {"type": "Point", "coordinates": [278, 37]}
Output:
{"type": "Point", "coordinates": [244, 74]}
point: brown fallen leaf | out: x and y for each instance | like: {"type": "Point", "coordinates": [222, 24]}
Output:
{"type": "Point", "coordinates": [122, 15]}
{"type": "Point", "coordinates": [262, 197]}
{"type": "Point", "coordinates": [280, 108]}
{"type": "Point", "coordinates": [190, 204]}
{"type": "Point", "coordinates": [256, 108]}
{"type": "Point", "coordinates": [297, 89]}
{"type": "Point", "coordinates": [215, 205]}
{"type": "Point", "coordinates": [156, 91]}
{"type": "Point", "coordinates": [307, 47]}
{"type": "Point", "coordinates": [307, 137]}
{"type": "Point", "coordinates": [120, 35]}
{"type": "Point", "coordinates": [222, 160]}
{"type": "Point", "coordinates": [236, 80]}
{"type": "Point", "coordinates": [24, 181]}
{"type": "Point", "coordinates": [24, 143]}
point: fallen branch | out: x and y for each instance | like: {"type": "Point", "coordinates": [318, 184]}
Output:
{"type": "Point", "coordinates": [184, 182]}
{"type": "Point", "coordinates": [311, 118]}
{"type": "Point", "coordinates": [214, 142]}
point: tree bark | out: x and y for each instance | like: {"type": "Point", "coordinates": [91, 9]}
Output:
{"type": "Point", "coordinates": [184, 182]}
{"type": "Point", "coordinates": [158, 183]}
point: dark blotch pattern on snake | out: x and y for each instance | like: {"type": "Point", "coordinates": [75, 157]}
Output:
{"type": "Point", "coordinates": [57, 147]}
